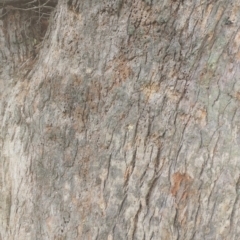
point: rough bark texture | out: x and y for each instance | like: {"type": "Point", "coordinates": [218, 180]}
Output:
{"type": "Point", "coordinates": [123, 122]}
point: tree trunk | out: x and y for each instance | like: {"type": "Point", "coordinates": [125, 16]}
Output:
{"type": "Point", "coordinates": [121, 120]}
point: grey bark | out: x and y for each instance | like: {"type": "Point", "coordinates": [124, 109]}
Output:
{"type": "Point", "coordinates": [124, 123]}
{"type": "Point", "coordinates": [27, 1]}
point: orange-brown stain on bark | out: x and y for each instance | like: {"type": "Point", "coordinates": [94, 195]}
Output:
{"type": "Point", "coordinates": [180, 181]}
{"type": "Point", "coordinates": [150, 89]}
{"type": "Point", "coordinates": [237, 95]}
{"type": "Point", "coordinates": [120, 71]}
{"type": "Point", "coordinates": [201, 117]}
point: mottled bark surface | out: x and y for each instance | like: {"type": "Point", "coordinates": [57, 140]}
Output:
{"type": "Point", "coordinates": [123, 124]}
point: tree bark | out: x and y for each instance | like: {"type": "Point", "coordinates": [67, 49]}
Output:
{"type": "Point", "coordinates": [121, 121]}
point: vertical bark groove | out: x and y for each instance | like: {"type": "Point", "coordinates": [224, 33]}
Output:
{"type": "Point", "coordinates": [124, 124]}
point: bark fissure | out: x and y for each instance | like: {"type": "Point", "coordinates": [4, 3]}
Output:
{"type": "Point", "coordinates": [121, 121]}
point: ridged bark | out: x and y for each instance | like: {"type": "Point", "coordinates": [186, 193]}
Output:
{"type": "Point", "coordinates": [123, 124]}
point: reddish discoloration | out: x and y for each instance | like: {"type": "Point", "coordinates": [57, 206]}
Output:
{"type": "Point", "coordinates": [180, 183]}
